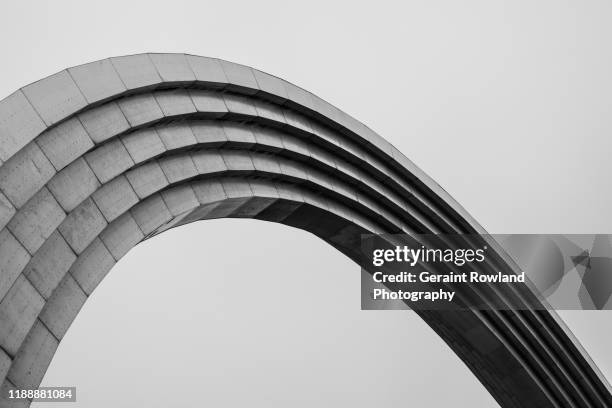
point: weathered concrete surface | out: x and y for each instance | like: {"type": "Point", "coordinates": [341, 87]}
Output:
{"type": "Point", "coordinates": [171, 139]}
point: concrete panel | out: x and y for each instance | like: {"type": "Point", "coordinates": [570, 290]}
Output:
{"type": "Point", "coordinates": [240, 77]}
{"type": "Point", "coordinates": [18, 311]}
{"type": "Point", "coordinates": [136, 71]}
{"type": "Point", "coordinates": [209, 133]}
{"type": "Point", "coordinates": [97, 80]}
{"type": "Point", "coordinates": [19, 124]}
{"type": "Point", "coordinates": [140, 109]}
{"type": "Point", "coordinates": [5, 402]}
{"type": "Point", "coordinates": [121, 235]}
{"type": "Point", "coordinates": [292, 169]}
{"type": "Point", "coordinates": [73, 185]}
{"type": "Point", "coordinates": [92, 266]}
{"type": "Point", "coordinates": [263, 188]}
{"type": "Point", "coordinates": [35, 222]}
{"type": "Point", "coordinates": [208, 102]}
{"type": "Point", "coordinates": [235, 188]}
{"type": "Point", "coordinates": [6, 210]}
{"type": "Point", "coordinates": [239, 133]}
{"type": "Point", "coordinates": [180, 199]}
{"type": "Point", "coordinates": [143, 145]}
{"type": "Point", "coordinates": [49, 265]}
{"type": "Point", "coordinates": [269, 111]}
{"type": "Point", "coordinates": [298, 95]}
{"type": "Point", "coordinates": [5, 363]}
{"type": "Point", "coordinates": [209, 191]}
{"type": "Point", "coordinates": [176, 135]}
{"type": "Point", "coordinates": [147, 179]}
{"type": "Point", "coordinates": [272, 85]}
{"type": "Point", "coordinates": [175, 102]}
{"type": "Point", "coordinates": [238, 104]}
{"type": "Point", "coordinates": [252, 207]}
{"type": "Point", "coordinates": [13, 258]}
{"type": "Point", "coordinates": [297, 121]}
{"type": "Point", "coordinates": [63, 306]}
{"type": "Point", "coordinates": [104, 122]}
{"type": "Point", "coordinates": [237, 160]}
{"type": "Point", "coordinates": [271, 138]}
{"type": "Point", "coordinates": [34, 357]}
{"type": "Point", "coordinates": [151, 214]}
{"type": "Point", "coordinates": [82, 225]}
{"type": "Point", "coordinates": [115, 198]}
{"type": "Point", "coordinates": [207, 70]}
{"type": "Point", "coordinates": [178, 168]}
{"type": "Point", "coordinates": [64, 143]}
{"type": "Point", "coordinates": [173, 68]}
{"type": "Point", "coordinates": [295, 146]}
{"type": "Point", "coordinates": [326, 134]}
{"type": "Point", "coordinates": [24, 174]}
{"type": "Point", "coordinates": [208, 162]}
{"type": "Point", "coordinates": [55, 97]}
{"type": "Point", "coordinates": [265, 164]}
{"type": "Point", "coordinates": [109, 160]}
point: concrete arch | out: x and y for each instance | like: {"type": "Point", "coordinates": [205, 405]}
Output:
{"type": "Point", "coordinates": [99, 157]}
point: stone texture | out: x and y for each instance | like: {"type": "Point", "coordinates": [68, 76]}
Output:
{"type": "Point", "coordinates": [18, 311]}
{"type": "Point", "coordinates": [13, 258]}
{"type": "Point", "coordinates": [207, 70]}
{"type": "Point", "coordinates": [269, 111]}
{"type": "Point", "coordinates": [19, 124]}
{"type": "Point", "coordinates": [6, 402]}
{"type": "Point", "coordinates": [65, 143]}
{"type": "Point", "coordinates": [239, 133]}
{"type": "Point", "coordinates": [109, 160]}
{"type": "Point", "coordinates": [97, 80]}
{"type": "Point", "coordinates": [178, 168]}
{"type": "Point", "coordinates": [180, 199]}
{"type": "Point", "coordinates": [151, 213]}
{"type": "Point", "coordinates": [147, 179]}
{"type": "Point", "coordinates": [238, 160]}
{"type": "Point", "coordinates": [210, 103]}
{"type": "Point", "coordinates": [176, 135]}
{"type": "Point", "coordinates": [82, 225]}
{"type": "Point", "coordinates": [136, 71]}
{"type": "Point", "coordinates": [141, 109]}
{"type": "Point", "coordinates": [49, 264]}
{"type": "Point", "coordinates": [92, 265]}
{"type": "Point", "coordinates": [115, 198]}
{"type": "Point", "coordinates": [240, 105]}
{"type": "Point", "coordinates": [5, 363]}
{"type": "Point", "coordinates": [6, 210]}
{"type": "Point", "coordinates": [240, 77]}
{"type": "Point", "coordinates": [34, 357]}
{"type": "Point", "coordinates": [73, 185]}
{"type": "Point", "coordinates": [208, 162]}
{"type": "Point", "coordinates": [121, 235]}
{"type": "Point", "coordinates": [173, 68]}
{"type": "Point", "coordinates": [271, 85]}
{"type": "Point", "coordinates": [24, 174]}
{"type": "Point", "coordinates": [55, 97]}
{"type": "Point", "coordinates": [174, 102]}
{"type": "Point", "coordinates": [143, 144]}
{"type": "Point", "coordinates": [208, 191]}
{"type": "Point", "coordinates": [210, 134]}
{"type": "Point", "coordinates": [104, 122]}
{"type": "Point", "coordinates": [35, 222]}
{"type": "Point", "coordinates": [63, 306]}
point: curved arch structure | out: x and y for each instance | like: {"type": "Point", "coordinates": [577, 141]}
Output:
{"type": "Point", "coordinates": [99, 157]}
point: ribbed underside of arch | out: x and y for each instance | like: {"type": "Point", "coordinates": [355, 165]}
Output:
{"type": "Point", "coordinates": [97, 158]}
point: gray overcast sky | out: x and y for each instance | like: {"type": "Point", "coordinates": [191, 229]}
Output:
{"type": "Point", "coordinates": [505, 104]}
